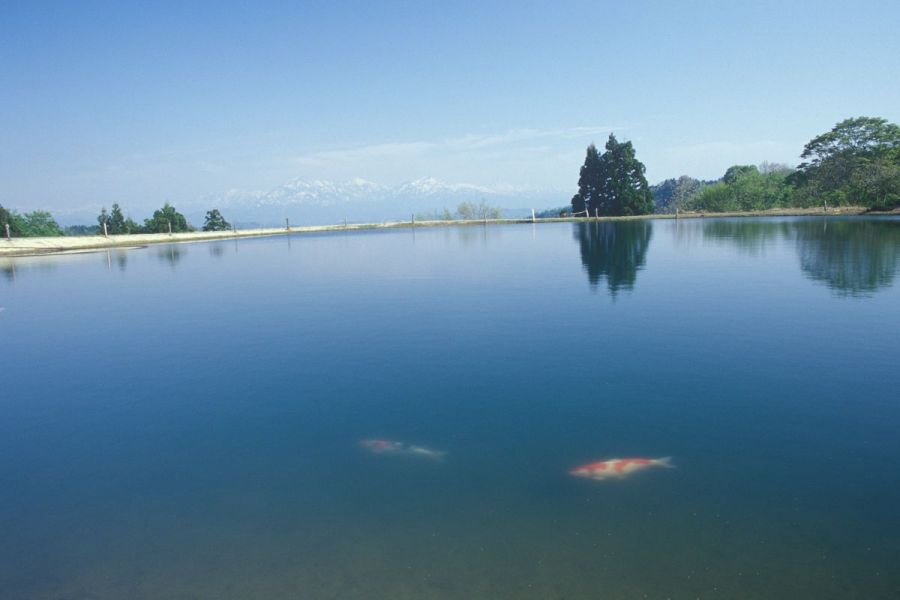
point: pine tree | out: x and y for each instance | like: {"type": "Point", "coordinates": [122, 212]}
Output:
{"type": "Point", "coordinates": [589, 183]}
{"type": "Point", "coordinates": [623, 189]}
{"type": "Point", "coordinates": [102, 218]}
{"type": "Point", "coordinates": [116, 223]}
{"type": "Point", "coordinates": [215, 221]}
{"type": "Point", "coordinates": [164, 218]}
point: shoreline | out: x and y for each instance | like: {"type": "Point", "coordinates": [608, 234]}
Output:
{"type": "Point", "coordinates": [43, 246]}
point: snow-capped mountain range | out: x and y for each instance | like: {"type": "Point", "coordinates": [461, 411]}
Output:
{"type": "Point", "coordinates": [317, 201]}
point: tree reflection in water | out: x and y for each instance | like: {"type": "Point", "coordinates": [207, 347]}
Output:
{"type": "Point", "coordinates": [614, 251]}
{"type": "Point", "coordinates": [851, 256]}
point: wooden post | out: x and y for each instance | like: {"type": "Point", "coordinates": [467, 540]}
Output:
{"type": "Point", "coordinates": [413, 221]}
{"type": "Point", "coordinates": [6, 225]}
{"type": "Point", "coordinates": [170, 227]}
{"type": "Point", "coordinates": [287, 224]}
{"type": "Point", "coordinates": [105, 232]}
{"type": "Point", "coordinates": [532, 216]}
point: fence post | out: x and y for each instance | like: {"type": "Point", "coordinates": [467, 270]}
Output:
{"type": "Point", "coordinates": [287, 224]}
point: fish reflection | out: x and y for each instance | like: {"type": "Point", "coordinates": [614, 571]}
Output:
{"type": "Point", "coordinates": [619, 468]}
{"type": "Point", "coordinates": [613, 250]}
{"type": "Point", "coordinates": [379, 446]}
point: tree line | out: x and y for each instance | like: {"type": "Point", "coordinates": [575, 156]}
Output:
{"type": "Point", "coordinates": [164, 220]}
{"type": "Point", "coordinates": [856, 163]}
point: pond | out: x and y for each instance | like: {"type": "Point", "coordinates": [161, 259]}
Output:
{"type": "Point", "coordinates": [400, 414]}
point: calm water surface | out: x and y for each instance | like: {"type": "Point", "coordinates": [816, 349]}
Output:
{"type": "Point", "coordinates": [184, 421]}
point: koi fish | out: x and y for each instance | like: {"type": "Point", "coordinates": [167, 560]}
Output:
{"type": "Point", "coordinates": [619, 468]}
{"type": "Point", "coordinates": [400, 449]}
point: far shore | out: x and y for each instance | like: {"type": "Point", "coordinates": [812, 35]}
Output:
{"type": "Point", "coordinates": [36, 246]}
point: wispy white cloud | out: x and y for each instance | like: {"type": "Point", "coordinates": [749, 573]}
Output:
{"type": "Point", "coordinates": [468, 143]}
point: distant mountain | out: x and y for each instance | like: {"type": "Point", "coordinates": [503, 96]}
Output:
{"type": "Point", "coordinates": [307, 202]}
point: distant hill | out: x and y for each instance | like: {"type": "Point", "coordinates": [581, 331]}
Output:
{"type": "Point", "coordinates": [307, 202]}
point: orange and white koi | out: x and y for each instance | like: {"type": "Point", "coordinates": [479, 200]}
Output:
{"type": "Point", "coordinates": [619, 468]}
{"type": "Point", "coordinates": [378, 446]}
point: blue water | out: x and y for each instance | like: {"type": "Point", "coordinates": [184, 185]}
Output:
{"type": "Point", "coordinates": [184, 421]}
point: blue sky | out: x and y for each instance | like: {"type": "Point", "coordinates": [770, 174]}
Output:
{"type": "Point", "coordinates": [139, 103]}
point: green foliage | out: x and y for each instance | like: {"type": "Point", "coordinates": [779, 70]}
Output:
{"type": "Point", "coordinates": [215, 221]}
{"type": "Point", "coordinates": [79, 230]}
{"type": "Point", "coordinates": [34, 224]}
{"type": "Point", "coordinates": [675, 194]}
{"type": "Point", "coordinates": [737, 171]}
{"type": "Point", "coordinates": [165, 216]}
{"type": "Point", "coordinates": [102, 218]}
{"type": "Point", "coordinates": [590, 181]}
{"type": "Point", "coordinates": [40, 223]}
{"type": "Point", "coordinates": [554, 213]}
{"type": "Point", "coordinates": [613, 183]}
{"type": "Point", "coordinates": [9, 217]}
{"type": "Point", "coordinates": [467, 211]}
{"type": "Point", "coordinates": [745, 188]}
{"type": "Point", "coordinates": [116, 223]}
{"type": "Point", "coordinates": [856, 162]}
{"type": "Point", "coordinates": [579, 205]}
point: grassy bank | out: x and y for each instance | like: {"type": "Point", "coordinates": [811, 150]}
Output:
{"type": "Point", "coordinates": [58, 245]}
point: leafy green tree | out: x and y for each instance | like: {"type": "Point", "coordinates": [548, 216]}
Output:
{"type": "Point", "coordinates": [737, 171]}
{"type": "Point", "coordinates": [165, 216]}
{"type": "Point", "coordinates": [613, 183]}
{"type": "Point", "coordinates": [215, 221]}
{"type": "Point", "coordinates": [79, 230]}
{"type": "Point", "coordinates": [39, 224]}
{"type": "Point", "coordinates": [745, 188]}
{"type": "Point", "coordinates": [11, 218]}
{"type": "Point", "coordinates": [675, 194]}
{"type": "Point", "coordinates": [131, 226]}
{"type": "Point", "coordinates": [624, 189]}
{"type": "Point", "coordinates": [102, 218]}
{"type": "Point", "coordinates": [467, 211]}
{"type": "Point", "coordinates": [589, 182]}
{"type": "Point", "coordinates": [838, 164]}
{"type": "Point", "coordinates": [578, 204]}
{"type": "Point", "coordinates": [116, 223]}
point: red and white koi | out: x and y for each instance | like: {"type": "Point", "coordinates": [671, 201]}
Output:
{"type": "Point", "coordinates": [619, 468]}
{"type": "Point", "coordinates": [378, 446]}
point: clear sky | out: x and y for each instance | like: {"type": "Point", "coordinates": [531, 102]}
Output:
{"type": "Point", "coordinates": [137, 103]}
